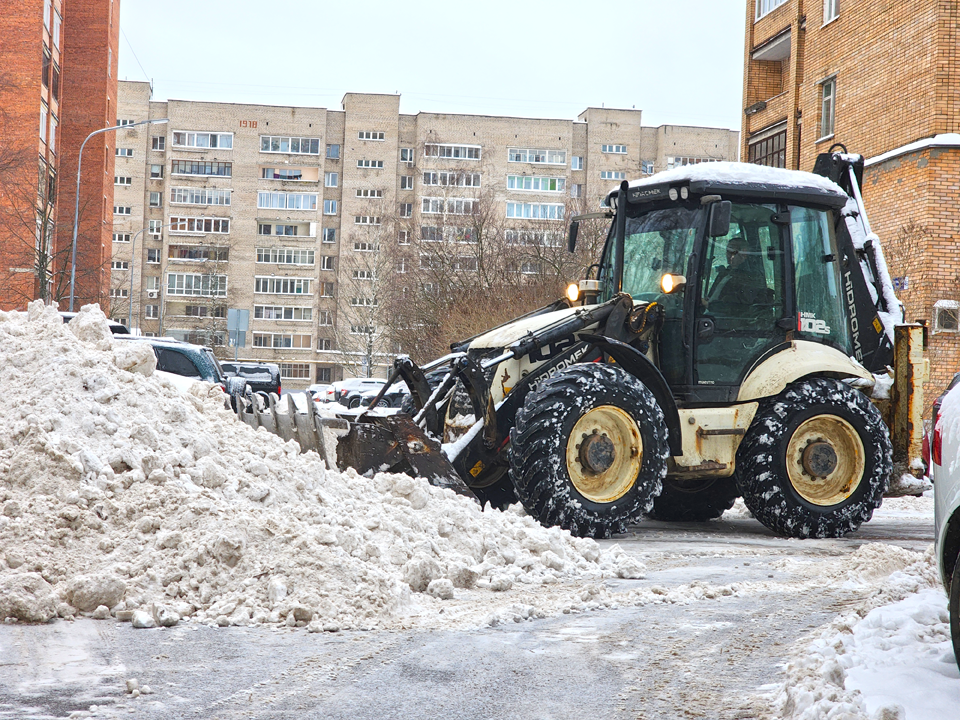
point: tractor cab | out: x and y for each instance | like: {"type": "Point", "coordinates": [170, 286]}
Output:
{"type": "Point", "coordinates": [740, 269]}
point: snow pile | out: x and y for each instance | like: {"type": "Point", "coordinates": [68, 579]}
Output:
{"type": "Point", "coordinates": [120, 495]}
{"type": "Point", "coordinates": [891, 659]}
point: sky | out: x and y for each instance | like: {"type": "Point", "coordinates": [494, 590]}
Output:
{"type": "Point", "coordinates": [679, 61]}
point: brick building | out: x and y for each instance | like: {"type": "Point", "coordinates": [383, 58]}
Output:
{"type": "Point", "coordinates": [883, 79]}
{"type": "Point", "coordinates": [281, 210]}
{"type": "Point", "coordinates": [58, 68]}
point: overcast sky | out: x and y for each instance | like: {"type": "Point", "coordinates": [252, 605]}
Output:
{"type": "Point", "coordinates": [679, 61]}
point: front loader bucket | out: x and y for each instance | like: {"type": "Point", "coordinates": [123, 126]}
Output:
{"type": "Point", "coordinates": [394, 443]}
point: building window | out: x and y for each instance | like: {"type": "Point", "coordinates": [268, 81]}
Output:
{"type": "Point", "coordinates": [614, 149]}
{"type": "Point", "coordinates": [536, 184]}
{"type": "Point", "coordinates": [946, 316]}
{"type": "Point", "coordinates": [534, 238]}
{"type": "Point", "coordinates": [453, 206]}
{"type": "Point", "coordinates": [287, 201]}
{"type": "Point", "coordinates": [43, 122]}
{"type": "Point", "coordinates": [324, 375]}
{"type": "Point", "coordinates": [368, 193]}
{"type": "Point", "coordinates": [765, 6]}
{"type": "Point", "coordinates": [329, 235]}
{"type": "Point", "coordinates": [285, 256]}
{"type": "Point", "coordinates": [201, 167]}
{"type": "Point", "coordinates": [406, 155]}
{"type": "Point", "coordinates": [295, 371]}
{"type": "Point", "coordinates": [406, 182]}
{"type": "Point", "coordinates": [199, 225]}
{"type": "Point", "coordinates": [119, 292]}
{"type": "Point", "coordinates": [576, 162]}
{"type": "Point", "coordinates": [55, 87]}
{"type": "Point", "coordinates": [122, 210]}
{"type": "Point", "coordinates": [535, 211]}
{"type": "Point", "coordinates": [47, 7]}
{"type": "Point", "coordinates": [153, 227]}
{"type": "Point", "coordinates": [612, 175]}
{"type": "Point", "coordinates": [326, 262]}
{"type": "Point", "coordinates": [325, 317]}
{"type": "Point", "coordinates": [198, 196]}
{"type": "Point", "coordinates": [831, 10]}
{"type": "Point", "coordinates": [370, 164]}
{"type": "Point", "coordinates": [451, 179]}
{"type": "Point", "coordinates": [199, 252]}
{"type": "Point", "coordinates": [366, 220]}
{"type": "Point", "coordinates": [537, 156]}
{"type": "Point", "coordinates": [370, 135]}
{"type": "Point", "coordinates": [282, 312]}
{"type": "Point", "coordinates": [326, 290]}
{"type": "Point", "coordinates": [153, 256]}
{"type": "Point", "coordinates": [770, 151]}
{"type": "Point", "coordinates": [279, 230]}
{"type": "Point", "coordinates": [202, 140]}
{"type": "Point", "coordinates": [120, 180]}
{"type": "Point", "coordinates": [158, 142]}
{"type": "Point", "coordinates": [646, 167]}
{"type": "Point", "coordinates": [828, 104]}
{"type": "Point", "coordinates": [324, 344]}
{"type": "Point", "coordinates": [674, 162]}
{"type": "Point", "coordinates": [406, 210]}
{"type": "Point", "coordinates": [121, 237]}
{"type": "Point", "coordinates": [331, 179]}
{"type": "Point", "coordinates": [576, 191]}
{"type": "Point", "coordinates": [196, 284]}
{"type": "Point", "coordinates": [360, 246]}
{"type": "Point", "coordinates": [363, 274]}
{"type": "Point", "coordinates": [151, 312]}
{"type": "Point", "coordinates": [361, 330]}
{"type": "Point", "coordinates": [123, 123]}
{"type": "Point", "coordinates": [155, 199]}
{"type": "Point", "coordinates": [293, 174]}
{"type": "Point", "coordinates": [119, 265]}
{"type": "Point", "coordinates": [152, 284]}
{"type": "Point", "coordinates": [403, 237]}
{"type": "Point", "coordinates": [333, 152]}
{"type": "Point", "coordinates": [281, 340]}
{"type": "Point", "coordinates": [329, 207]}
{"type": "Point", "coordinates": [57, 23]}
{"type": "Point", "coordinates": [45, 67]}
{"type": "Point", "coordinates": [124, 152]}
{"type": "Point", "coordinates": [282, 286]}
{"type": "Point", "coordinates": [156, 172]}
{"type": "Point", "coordinates": [281, 144]}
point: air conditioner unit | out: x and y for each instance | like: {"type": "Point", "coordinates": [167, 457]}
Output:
{"type": "Point", "coordinates": [152, 293]}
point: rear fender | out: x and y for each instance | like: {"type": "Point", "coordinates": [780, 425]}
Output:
{"type": "Point", "coordinates": [639, 365]}
{"type": "Point", "coordinates": [771, 375]}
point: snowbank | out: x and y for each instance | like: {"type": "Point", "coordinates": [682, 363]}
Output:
{"type": "Point", "coordinates": [121, 495]}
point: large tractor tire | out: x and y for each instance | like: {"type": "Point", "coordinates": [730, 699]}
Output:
{"type": "Point", "coordinates": [815, 461]}
{"type": "Point", "coordinates": [589, 450]}
{"type": "Point", "coordinates": [694, 500]}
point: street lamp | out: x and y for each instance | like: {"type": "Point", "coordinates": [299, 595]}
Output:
{"type": "Point", "coordinates": [76, 211]}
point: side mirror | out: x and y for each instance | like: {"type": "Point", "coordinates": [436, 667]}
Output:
{"type": "Point", "coordinates": [572, 238]}
{"type": "Point", "coordinates": [719, 222]}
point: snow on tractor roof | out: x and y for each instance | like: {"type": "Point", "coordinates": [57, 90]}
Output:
{"type": "Point", "coordinates": [741, 174]}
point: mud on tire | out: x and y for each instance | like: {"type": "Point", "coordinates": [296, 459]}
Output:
{"type": "Point", "coordinates": [589, 450]}
{"type": "Point", "coordinates": [784, 462]}
{"type": "Point", "coordinates": [693, 500]}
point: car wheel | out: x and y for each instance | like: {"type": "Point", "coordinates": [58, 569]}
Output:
{"type": "Point", "coordinates": [353, 402]}
{"type": "Point", "coordinates": [955, 610]}
{"type": "Point", "coordinates": [815, 460]}
{"type": "Point", "coordinates": [589, 450]}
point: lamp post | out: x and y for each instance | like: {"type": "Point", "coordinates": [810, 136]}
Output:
{"type": "Point", "coordinates": [76, 210]}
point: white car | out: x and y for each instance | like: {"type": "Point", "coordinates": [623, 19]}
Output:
{"type": "Point", "coordinates": [945, 462]}
{"type": "Point", "coordinates": [347, 392]}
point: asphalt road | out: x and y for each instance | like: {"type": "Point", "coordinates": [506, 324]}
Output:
{"type": "Point", "coordinates": [705, 659]}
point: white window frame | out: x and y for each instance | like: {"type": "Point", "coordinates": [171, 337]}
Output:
{"type": "Point", "coordinates": [366, 220]}
{"type": "Point", "coordinates": [613, 175]}
{"type": "Point", "coordinates": [187, 225]}
{"type": "Point", "coordinates": [305, 257]}
{"type": "Point", "coordinates": [158, 143]}
{"type": "Point", "coordinates": [828, 107]}
{"type": "Point", "coordinates": [279, 341]}
{"type": "Point", "coordinates": [576, 162]}
{"type": "Point", "coordinates": [452, 151]}
{"type": "Point", "coordinates": [537, 156]}
{"type": "Point", "coordinates": [369, 193]}
{"type": "Point", "coordinates": [268, 200]}
{"type": "Point", "coordinates": [201, 285]}
{"type": "Point", "coordinates": [122, 210]}
{"type": "Point", "coordinates": [535, 211]}
{"type": "Point", "coordinates": [123, 152]}
{"type": "Point", "coordinates": [281, 147]}
{"type": "Point", "coordinates": [272, 285]}
{"type": "Point", "coordinates": [328, 235]}
{"type": "Point", "coordinates": [329, 207]}
{"type": "Point", "coordinates": [946, 307]}
{"type": "Point", "coordinates": [377, 135]}
{"type": "Point", "coordinates": [199, 196]}
{"type": "Point", "coordinates": [765, 7]}
{"type": "Point", "coordinates": [614, 149]}
{"type": "Point", "coordinates": [406, 155]}
{"type": "Point", "coordinates": [831, 10]}
{"type": "Point", "coordinates": [536, 183]}
{"type": "Point", "coordinates": [406, 182]}
{"type": "Point", "coordinates": [370, 164]}
{"type": "Point", "coordinates": [331, 179]}
{"type": "Point", "coordinates": [189, 139]}
{"type": "Point", "coordinates": [122, 180]}
{"type": "Point", "coordinates": [121, 237]}
{"type": "Point", "coordinates": [283, 313]}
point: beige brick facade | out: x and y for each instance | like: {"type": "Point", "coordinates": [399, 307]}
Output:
{"type": "Point", "coordinates": [395, 175]}
{"type": "Point", "coordinates": [895, 72]}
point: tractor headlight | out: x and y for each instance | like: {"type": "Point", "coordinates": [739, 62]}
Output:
{"type": "Point", "coordinates": [670, 282]}
{"type": "Point", "coordinates": [673, 194]}
{"type": "Point", "coordinates": [573, 292]}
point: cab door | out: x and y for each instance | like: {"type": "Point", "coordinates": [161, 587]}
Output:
{"type": "Point", "coordinates": [741, 300]}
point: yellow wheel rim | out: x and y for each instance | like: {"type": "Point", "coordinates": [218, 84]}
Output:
{"type": "Point", "coordinates": [604, 454]}
{"type": "Point", "coordinates": [825, 460]}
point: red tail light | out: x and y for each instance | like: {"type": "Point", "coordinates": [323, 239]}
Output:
{"type": "Point", "coordinates": [279, 391]}
{"type": "Point", "coordinates": [936, 449]}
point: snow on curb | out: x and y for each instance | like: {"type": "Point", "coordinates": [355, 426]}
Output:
{"type": "Point", "coordinates": [890, 660]}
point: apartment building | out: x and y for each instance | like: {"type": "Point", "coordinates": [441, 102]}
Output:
{"type": "Point", "coordinates": [58, 69]}
{"type": "Point", "coordinates": [283, 212]}
{"type": "Point", "coordinates": [883, 80]}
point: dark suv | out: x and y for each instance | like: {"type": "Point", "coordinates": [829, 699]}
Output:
{"type": "Point", "coordinates": [261, 377]}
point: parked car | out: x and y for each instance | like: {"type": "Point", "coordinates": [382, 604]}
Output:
{"type": "Point", "coordinates": [115, 328]}
{"type": "Point", "coordinates": [928, 426]}
{"type": "Point", "coordinates": [392, 398]}
{"type": "Point", "coordinates": [347, 392]}
{"type": "Point", "coordinates": [186, 360]}
{"type": "Point", "coordinates": [945, 464]}
{"type": "Point", "coordinates": [318, 392]}
{"type": "Point", "coordinates": [261, 377]}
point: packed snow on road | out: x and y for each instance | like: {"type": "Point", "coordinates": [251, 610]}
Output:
{"type": "Point", "coordinates": [126, 500]}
